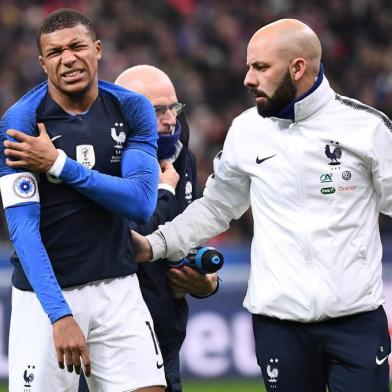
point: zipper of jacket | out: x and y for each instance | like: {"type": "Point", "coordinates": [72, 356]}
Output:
{"type": "Point", "coordinates": [304, 218]}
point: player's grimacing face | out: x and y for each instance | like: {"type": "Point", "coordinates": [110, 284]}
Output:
{"type": "Point", "coordinates": [70, 59]}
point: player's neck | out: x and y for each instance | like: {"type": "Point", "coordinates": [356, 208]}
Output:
{"type": "Point", "coordinates": [74, 103]}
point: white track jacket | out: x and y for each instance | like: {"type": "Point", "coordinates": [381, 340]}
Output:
{"type": "Point", "coordinates": [316, 187]}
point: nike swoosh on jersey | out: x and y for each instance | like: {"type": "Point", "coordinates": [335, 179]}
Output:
{"type": "Point", "coordinates": [258, 161]}
{"type": "Point", "coordinates": [381, 361]}
{"type": "Point", "coordinates": [159, 365]}
{"type": "Point", "coordinates": [56, 137]}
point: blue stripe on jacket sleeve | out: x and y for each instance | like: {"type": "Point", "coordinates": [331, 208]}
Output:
{"type": "Point", "coordinates": [133, 196]}
{"type": "Point", "coordinates": [23, 224]}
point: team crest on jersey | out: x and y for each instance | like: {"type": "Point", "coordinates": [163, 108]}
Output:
{"type": "Point", "coordinates": [85, 155]}
{"type": "Point", "coordinates": [333, 151]}
{"type": "Point", "coordinates": [273, 372]}
{"type": "Point", "coordinates": [118, 135]}
{"type": "Point", "coordinates": [28, 377]}
{"type": "Point", "coordinates": [24, 186]}
{"type": "Point", "coordinates": [188, 192]}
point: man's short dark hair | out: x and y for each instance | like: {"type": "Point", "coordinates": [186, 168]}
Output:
{"type": "Point", "coordinates": [64, 18]}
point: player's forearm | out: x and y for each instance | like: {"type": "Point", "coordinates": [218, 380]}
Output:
{"type": "Point", "coordinates": [23, 224]}
{"type": "Point", "coordinates": [133, 196]}
{"type": "Point", "coordinates": [200, 221]}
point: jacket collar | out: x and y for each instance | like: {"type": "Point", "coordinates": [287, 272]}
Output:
{"type": "Point", "coordinates": [309, 103]}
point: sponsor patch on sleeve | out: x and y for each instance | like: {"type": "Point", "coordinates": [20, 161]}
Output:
{"type": "Point", "coordinates": [18, 188]}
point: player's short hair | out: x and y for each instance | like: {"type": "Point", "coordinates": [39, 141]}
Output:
{"type": "Point", "coordinates": [64, 18]}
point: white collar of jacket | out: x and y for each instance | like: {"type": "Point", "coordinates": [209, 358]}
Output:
{"type": "Point", "coordinates": [311, 103]}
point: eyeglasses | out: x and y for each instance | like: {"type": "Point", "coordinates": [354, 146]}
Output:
{"type": "Point", "coordinates": [175, 108]}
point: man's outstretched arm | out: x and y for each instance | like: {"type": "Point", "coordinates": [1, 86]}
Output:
{"type": "Point", "coordinates": [226, 197]}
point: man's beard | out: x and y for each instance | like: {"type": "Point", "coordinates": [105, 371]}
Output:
{"type": "Point", "coordinates": [284, 94]}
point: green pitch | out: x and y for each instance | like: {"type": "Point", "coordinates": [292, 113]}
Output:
{"type": "Point", "coordinates": [212, 386]}
{"type": "Point", "coordinates": [205, 386]}
{"type": "Point", "coordinates": [224, 386]}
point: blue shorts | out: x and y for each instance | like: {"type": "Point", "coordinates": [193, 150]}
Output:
{"type": "Point", "coordinates": [346, 354]}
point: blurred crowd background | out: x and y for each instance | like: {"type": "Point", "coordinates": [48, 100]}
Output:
{"type": "Point", "coordinates": [201, 44]}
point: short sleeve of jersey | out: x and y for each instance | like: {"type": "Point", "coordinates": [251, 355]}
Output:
{"type": "Point", "coordinates": [140, 115]}
{"type": "Point", "coordinates": [22, 117]}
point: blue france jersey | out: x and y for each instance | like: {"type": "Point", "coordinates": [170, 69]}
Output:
{"type": "Point", "coordinates": [84, 241]}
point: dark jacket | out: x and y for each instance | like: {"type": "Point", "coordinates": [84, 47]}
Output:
{"type": "Point", "coordinates": [170, 315]}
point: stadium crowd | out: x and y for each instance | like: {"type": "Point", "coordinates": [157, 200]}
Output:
{"type": "Point", "coordinates": [202, 45]}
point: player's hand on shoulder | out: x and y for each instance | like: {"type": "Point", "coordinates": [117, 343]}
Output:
{"type": "Point", "coordinates": [169, 175]}
{"type": "Point", "coordinates": [188, 280]}
{"type": "Point", "coordinates": [141, 247]}
{"type": "Point", "coordinates": [30, 152]}
{"type": "Point", "coordinates": [70, 345]}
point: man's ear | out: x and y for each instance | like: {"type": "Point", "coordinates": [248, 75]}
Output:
{"type": "Point", "coordinates": [298, 67]}
{"type": "Point", "coordinates": [41, 61]}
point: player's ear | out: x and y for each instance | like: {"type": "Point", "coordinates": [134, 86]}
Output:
{"type": "Point", "coordinates": [98, 49]}
{"type": "Point", "coordinates": [41, 61]}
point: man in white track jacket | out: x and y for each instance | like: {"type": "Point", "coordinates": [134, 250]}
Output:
{"type": "Point", "coordinates": [316, 168]}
